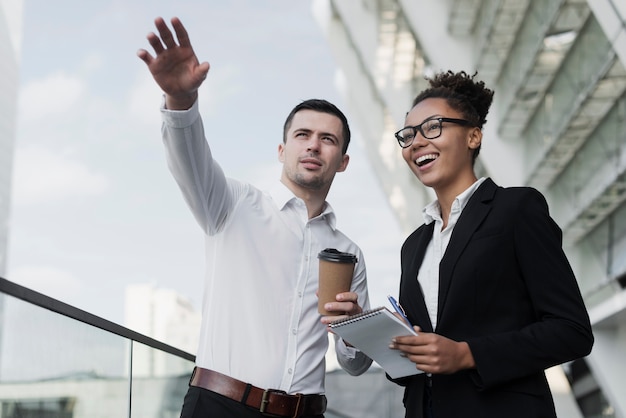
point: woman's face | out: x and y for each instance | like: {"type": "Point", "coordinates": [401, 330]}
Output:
{"type": "Point", "coordinates": [445, 161]}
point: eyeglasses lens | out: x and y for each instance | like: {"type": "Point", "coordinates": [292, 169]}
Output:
{"type": "Point", "coordinates": [430, 130]}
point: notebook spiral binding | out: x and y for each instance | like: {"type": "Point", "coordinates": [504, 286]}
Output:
{"type": "Point", "coordinates": [356, 317]}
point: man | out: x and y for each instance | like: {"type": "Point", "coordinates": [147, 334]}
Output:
{"type": "Point", "coordinates": [262, 341]}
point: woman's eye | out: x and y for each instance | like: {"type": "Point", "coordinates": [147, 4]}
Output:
{"type": "Point", "coordinates": [432, 126]}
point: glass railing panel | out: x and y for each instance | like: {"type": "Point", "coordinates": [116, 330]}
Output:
{"type": "Point", "coordinates": [159, 382]}
{"type": "Point", "coordinates": [55, 366]}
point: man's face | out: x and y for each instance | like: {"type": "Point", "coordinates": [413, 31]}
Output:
{"type": "Point", "coordinates": [311, 155]}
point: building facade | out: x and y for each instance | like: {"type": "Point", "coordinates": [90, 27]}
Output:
{"type": "Point", "coordinates": [558, 123]}
{"type": "Point", "coordinates": [166, 316]}
{"type": "Point", "coordinates": [10, 40]}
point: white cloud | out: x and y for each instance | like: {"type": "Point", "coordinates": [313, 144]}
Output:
{"type": "Point", "coordinates": [144, 100]}
{"type": "Point", "coordinates": [51, 96]}
{"type": "Point", "coordinates": [222, 83]}
{"type": "Point", "coordinates": [145, 95]}
{"type": "Point", "coordinates": [40, 175]}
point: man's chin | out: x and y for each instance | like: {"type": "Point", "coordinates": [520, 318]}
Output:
{"type": "Point", "coordinates": [311, 183]}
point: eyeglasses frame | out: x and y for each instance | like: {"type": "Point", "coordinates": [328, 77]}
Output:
{"type": "Point", "coordinates": [418, 128]}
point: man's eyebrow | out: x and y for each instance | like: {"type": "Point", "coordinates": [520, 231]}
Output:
{"type": "Point", "coordinates": [329, 134]}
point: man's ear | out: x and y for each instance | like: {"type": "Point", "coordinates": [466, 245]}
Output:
{"type": "Point", "coordinates": [281, 153]}
{"type": "Point", "coordinates": [344, 163]}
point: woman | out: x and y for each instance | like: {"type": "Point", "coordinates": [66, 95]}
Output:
{"type": "Point", "coordinates": [485, 278]}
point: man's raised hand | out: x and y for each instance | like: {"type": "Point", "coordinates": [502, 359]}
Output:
{"type": "Point", "coordinates": [175, 67]}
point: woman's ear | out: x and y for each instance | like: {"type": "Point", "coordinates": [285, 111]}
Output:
{"type": "Point", "coordinates": [475, 138]}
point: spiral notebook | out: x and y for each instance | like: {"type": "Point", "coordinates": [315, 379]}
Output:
{"type": "Point", "coordinates": [371, 332]}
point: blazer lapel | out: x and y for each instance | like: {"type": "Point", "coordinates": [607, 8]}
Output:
{"type": "Point", "coordinates": [411, 287]}
{"type": "Point", "coordinates": [472, 216]}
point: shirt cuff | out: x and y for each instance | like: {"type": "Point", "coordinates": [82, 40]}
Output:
{"type": "Point", "coordinates": [345, 351]}
{"type": "Point", "coordinates": [179, 118]}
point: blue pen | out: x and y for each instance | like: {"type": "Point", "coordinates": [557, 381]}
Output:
{"type": "Point", "coordinates": [399, 309]}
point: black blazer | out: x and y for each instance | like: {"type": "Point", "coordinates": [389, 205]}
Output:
{"type": "Point", "coordinates": [505, 287]}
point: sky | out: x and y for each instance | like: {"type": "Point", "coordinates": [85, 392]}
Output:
{"type": "Point", "coordinates": [94, 207]}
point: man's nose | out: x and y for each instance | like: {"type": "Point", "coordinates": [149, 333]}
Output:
{"type": "Point", "coordinates": [314, 143]}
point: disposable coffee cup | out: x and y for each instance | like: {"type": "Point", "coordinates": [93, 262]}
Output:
{"type": "Point", "coordinates": [335, 276]}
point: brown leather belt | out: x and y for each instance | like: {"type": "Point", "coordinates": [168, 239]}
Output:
{"type": "Point", "coordinates": [269, 402]}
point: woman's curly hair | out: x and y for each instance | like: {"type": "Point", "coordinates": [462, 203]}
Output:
{"type": "Point", "coordinates": [471, 98]}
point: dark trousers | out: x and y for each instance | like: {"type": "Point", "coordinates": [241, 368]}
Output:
{"type": "Point", "coordinates": [202, 403]}
{"type": "Point", "coordinates": [428, 402]}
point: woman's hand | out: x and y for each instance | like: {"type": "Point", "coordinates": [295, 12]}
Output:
{"type": "Point", "coordinates": [433, 353]}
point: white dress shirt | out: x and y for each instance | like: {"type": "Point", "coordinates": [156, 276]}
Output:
{"type": "Point", "coordinates": [259, 321]}
{"type": "Point", "coordinates": [428, 274]}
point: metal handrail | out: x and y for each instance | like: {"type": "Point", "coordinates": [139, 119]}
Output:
{"type": "Point", "coordinates": [54, 305]}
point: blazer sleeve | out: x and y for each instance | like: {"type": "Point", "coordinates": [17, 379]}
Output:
{"type": "Point", "coordinates": [560, 330]}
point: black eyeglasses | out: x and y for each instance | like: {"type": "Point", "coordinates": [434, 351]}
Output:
{"type": "Point", "coordinates": [430, 129]}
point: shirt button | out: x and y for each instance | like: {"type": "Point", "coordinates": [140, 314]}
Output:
{"type": "Point", "coordinates": [290, 371]}
{"type": "Point", "coordinates": [294, 331]}
{"type": "Point", "coordinates": [300, 294]}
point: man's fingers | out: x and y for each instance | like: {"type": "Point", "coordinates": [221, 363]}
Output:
{"type": "Point", "coordinates": [155, 42]}
{"type": "Point", "coordinates": [181, 33]}
{"type": "Point", "coordinates": [166, 39]}
{"type": "Point", "coordinates": [165, 33]}
{"type": "Point", "coordinates": [203, 70]}
{"type": "Point", "coordinates": [145, 56]}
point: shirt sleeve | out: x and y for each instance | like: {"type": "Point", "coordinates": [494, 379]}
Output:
{"type": "Point", "coordinates": [199, 177]}
{"type": "Point", "coordinates": [352, 360]}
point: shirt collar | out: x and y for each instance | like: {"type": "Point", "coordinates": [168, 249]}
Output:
{"type": "Point", "coordinates": [281, 194]}
{"type": "Point", "coordinates": [432, 211]}
{"type": "Point", "coordinates": [285, 198]}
